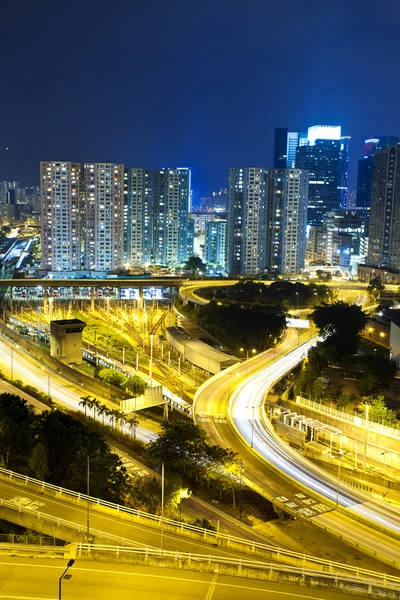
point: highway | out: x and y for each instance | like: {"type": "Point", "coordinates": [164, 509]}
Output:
{"type": "Point", "coordinates": [62, 391]}
{"type": "Point", "coordinates": [230, 408]}
{"type": "Point", "coordinates": [37, 579]}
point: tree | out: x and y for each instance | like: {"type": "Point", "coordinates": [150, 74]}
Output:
{"type": "Point", "coordinates": [195, 265]}
{"type": "Point", "coordinates": [343, 400]}
{"type": "Point", "coordinates": [136, 386]}
{"type": "Point", "coordinates": [85, 402]}
{"type": "Point", "coordinates": [378, 411]}
{"type": "Point", "coordinates": [182, 446]}
{"type": "Point", "coordinates": [113, 377]}
{"type": "Point", "coordinates": [375, 287]}
{"type": "Point", "coordinates": [341, 324]}
{"type": "Point", "coordinates": [103, 411]}
{"type": "Point", "coordinates": [38, 462]}
{"type": "Point", "coordinates": [132, 422]}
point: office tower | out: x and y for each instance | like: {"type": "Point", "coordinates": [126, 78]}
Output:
{"type": "Point", "coordinates": [341, 240]}
{"type": "Point", "coordinates": [5, 187]}
{"type": "Point", "coordinates": [343, 171]}
{"type": "Point", "coordinates": [60, 215]}
{"type": "Point", "coordinates": [287, 220]}
{"type": "Point", "coordinates": [366, 165]}
{"type": "Point", "coordinates": [384, 228]}
{"type": "Point", "coordinates": [138, 203]}
{"type": "Point", "coordinates": [321, 160]}
{"type": "Point", "coordinates": [172, 190]}
{"type": "Point", "coordinates": [103, 194]}
{"type": "Point", "coordinates": [286, 143]}
{"type": "Point", "coordinates": [247, 220]}
{"type": "Point", "coordinates": [220, 200]}
{"type": "Point", "coordinates": [215, 244]}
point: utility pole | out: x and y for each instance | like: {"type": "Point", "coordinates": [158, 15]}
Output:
{"type": "Point", "coordinates": [162, 504]}
{"type": "Point", "coordinates": [366, 435]}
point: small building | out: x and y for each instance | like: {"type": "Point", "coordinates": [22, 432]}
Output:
{"type": "Point", "coordinates": [66, 340]}
{"type": "Point", "coordinates": [198, 352]}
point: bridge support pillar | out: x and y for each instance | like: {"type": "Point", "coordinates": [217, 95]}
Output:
{"type": "Point", "coordinates": [92, 298]}
{"type": "Point", "coordinates": [45, 300]}
{"type": "Point", "coordinates": [141, 299]}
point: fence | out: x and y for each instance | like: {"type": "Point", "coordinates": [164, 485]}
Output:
{"type": "Point", "coordinates": [360, 583]}
{"type": "Point", "coordinates": [358, 421]}
{"type": "Point", "coordinates": [177, 527]}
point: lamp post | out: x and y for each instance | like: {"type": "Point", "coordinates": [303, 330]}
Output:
{"type": "Point", "coordinates": [366, 435]}
{"type": "Point", "coordinates": [69, 564]}
{"type": "Point", "coordinates": [162, 504]}
{"type": "Point", "coordinates": [151, 360]}
{"type": "Point", "coordinates": [12, 363]}
{"type": "Point", "coordinates": [88, 495]}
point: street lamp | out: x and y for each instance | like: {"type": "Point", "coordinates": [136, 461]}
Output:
{"type": "Point", "coordinates": [88, 494]}
{"type": "Point", "coordinates": [69, 564]}
{"type": "Point", "coordinates": [252, 424]}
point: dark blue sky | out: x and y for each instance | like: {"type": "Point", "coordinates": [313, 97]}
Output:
{"type": "Point", "coordinates": [183, 82]}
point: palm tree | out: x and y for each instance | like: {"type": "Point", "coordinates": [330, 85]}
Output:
{"type": "Point", "coordinates": [103, 410]}
{"type": "Point", "coordinates": [95, 404]}
{"type": "Point", "coordinates": [132, 422]}
{"type": "Point", "coordinates": [119, 416]}
{"type": "Point", "coordinates": [85, 402]}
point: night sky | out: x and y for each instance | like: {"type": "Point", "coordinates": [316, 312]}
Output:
{"type": "Point", "coordinates": [188, 83]}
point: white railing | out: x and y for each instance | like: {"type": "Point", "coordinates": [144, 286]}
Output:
{"type": "Point", "coordinates": [369, 578]}
{"type": "Point", "coordinates": [41, 516]}
{"type": "Point", "coordinates": [179, 528]}
{"type": "Point", "coordinates": [357, 421]}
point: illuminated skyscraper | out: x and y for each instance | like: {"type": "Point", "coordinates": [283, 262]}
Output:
{"type": "Point", "coordinates": [287, 220]}
{"type": "Point", "coordinates": [286, 144]}
{"type": "Point", "coordinates": [138, 202]}
{"type": "Point", "coordinates": [171, 208]}
{"type": "Point", "coordinates": [247, 220]}
{"type": "Point", "coordinates": [61, 215]}
{"type": "Point", "coordinates": [366, 165]}
{"type": "Point", "coordinates": [215, 244]}
{"type": "Point", "coordinates": [384, 228]}
{"type": "Point", "coordinates": [103, 194]}
{"type": "Point", "coordinates": [321, 158]}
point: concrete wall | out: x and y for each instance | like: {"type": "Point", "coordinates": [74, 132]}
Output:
{"type": "Point", "coordinates": [88, 384]}
{"type": "Point", "coordinates": [60, 532]}
{"type": "Point", "coordinates": [376, 441]}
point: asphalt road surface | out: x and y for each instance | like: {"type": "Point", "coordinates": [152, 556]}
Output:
{"type": "Point", "coordinates": [37, 579]}
{"type": "Point", "coordinates": [278, 473]}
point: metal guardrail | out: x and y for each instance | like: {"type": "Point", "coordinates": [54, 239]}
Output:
{"type": "Point", "coordinates": [179, 528]}
{"type": "Point", "coordinates": [357, 421]}
{"type": "Point", "coordinates": [41, 516]}
{"type": "Point", "coordinates": [383, 582]}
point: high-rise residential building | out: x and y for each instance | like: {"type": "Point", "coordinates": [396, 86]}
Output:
{"type": "Point", "coordinates": [321, 160]}
{"type": "Point", "coordinates": [215, 244]}
{"type": "Point", "coordinates": [103, 196]}
{"type": "Point", "coordinates": [287, 220]}
{"type": "Point", "coordinates": [172, 191]}
{"type": "Point", "coordinates": [366, 165]}
{"type": "Point", "coordinates": [138, 205]}
{"type": "Point", "coordinates": [247, 220]}
{"type": "Point", "coordinates": [60, 193]}
{"type": "Point", "coordinates": [5, 187]}
{"type": "Point", "coordinates": [286, 143]}
{"type": "Point", "coordinates": [384, 228]}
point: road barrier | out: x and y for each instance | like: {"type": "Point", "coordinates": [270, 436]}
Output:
{"type": "Point", "coordinates": [357, 584]}
{"type": "Point", "coordinates": [266, 551]}
{"type": "Point", "coordinates": [371, 426]}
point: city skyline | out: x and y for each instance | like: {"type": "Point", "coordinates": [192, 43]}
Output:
{"type": "Point", "coordinates": [206, 127]}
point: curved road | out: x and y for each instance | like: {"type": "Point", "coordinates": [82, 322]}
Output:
{"type": "Point", "coordinates": [230, 408]}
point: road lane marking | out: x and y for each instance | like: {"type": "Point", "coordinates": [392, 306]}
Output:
{"type": "Point", "coordinates": [153, 576]}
